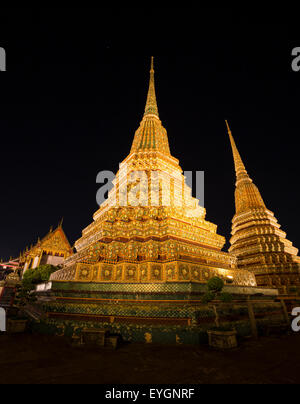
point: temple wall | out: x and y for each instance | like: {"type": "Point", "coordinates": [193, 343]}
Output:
{"type": "Point", "coordinates": [35, 262]}
{"type": "Point", "coordinates": [55, 261]}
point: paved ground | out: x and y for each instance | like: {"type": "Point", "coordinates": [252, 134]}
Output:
{"type": "Point", "coordinates": [38, 359]}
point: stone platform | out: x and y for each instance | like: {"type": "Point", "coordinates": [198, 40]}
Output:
{"type": "Point", "coordinates": [187, 291]}
{"type": "Point", "coordinates": [164, 313]}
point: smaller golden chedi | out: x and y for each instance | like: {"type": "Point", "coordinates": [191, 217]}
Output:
{"type": "Point", "coordinates": [257, 239]}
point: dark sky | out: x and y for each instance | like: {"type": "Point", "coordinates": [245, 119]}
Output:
{"type": "Point", "coordinates": [75, 92]}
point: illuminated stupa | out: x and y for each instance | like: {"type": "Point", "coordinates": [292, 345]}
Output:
{"type": "Point", "coordinates": [142, 266]}
{"type": "Point", "coordinates": [257, 239]}
{"type": "Point", "coordinates": [151, 230]}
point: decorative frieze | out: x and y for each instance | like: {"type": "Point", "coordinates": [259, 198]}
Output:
{"type": "Point", "coordinates": [151, 272]}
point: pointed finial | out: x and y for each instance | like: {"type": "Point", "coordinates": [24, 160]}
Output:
{"type": "Point", "coordinates": [61, 222]}
{"type": "Point", "coordinates": [151, 104]}
{"type": "Point", "coordinates": [248, 196]}
{"type": "Point", "coordinates": [152, 64]}
{"type": "Point", "coordinates": [51, 229]}
{"type": "Point", "coordinates": [241, 172]}
{"type": "Point", "coordinates": [228, 127]}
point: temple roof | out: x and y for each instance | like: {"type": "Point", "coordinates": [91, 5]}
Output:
{"type": "Point", "coordinates": [55, 239]}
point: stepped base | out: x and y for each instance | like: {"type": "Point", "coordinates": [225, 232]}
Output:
{"type": "Point", "coordinates": [164, 313]}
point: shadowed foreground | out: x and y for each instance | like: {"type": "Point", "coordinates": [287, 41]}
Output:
{"type": "Point", "coordinates": [37, 359]}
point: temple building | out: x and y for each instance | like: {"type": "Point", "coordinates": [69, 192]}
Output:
{"type": "Point", "coordinates": [257, 240]}
{"type": "Point", "coordinates": [150, 230]}
{"type": "Point", "coordinates": [53, 249]}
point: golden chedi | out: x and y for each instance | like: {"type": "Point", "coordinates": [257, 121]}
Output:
{"type": "Point", "coordinates": [150, 229]}
{"type": "Point", "coordinates": [257, 239]}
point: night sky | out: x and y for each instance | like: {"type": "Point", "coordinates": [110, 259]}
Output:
{"type": "Point", "coordinates": [75, 92]}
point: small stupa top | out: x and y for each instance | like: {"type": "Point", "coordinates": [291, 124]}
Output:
{"type": "Point", "coordinates": [247, 193]}
{"type": "Point", "coordinates": [151, 105]}
{"type": "Point", "coordinates": [240, 169]}
{"type": "Point", "coordinates": [151, 135]}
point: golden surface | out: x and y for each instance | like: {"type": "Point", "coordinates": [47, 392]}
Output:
{"type": "Point", "coordinates": [150, 273]}
{"type": "Point", "coordinates": [164, 238]}
{"type": "Point", "coordinates": [257, 240]}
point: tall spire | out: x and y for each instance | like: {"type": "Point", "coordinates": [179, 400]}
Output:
{"type": "Point", "coordinates": [258, 242]}
{"type": "Point", "coordinates": [151, 135]}
{"type": "Point", "coordinates": [247, 195]}
{"type": "Point", "coordinates": [240, 169]}
{"type": "Point", "coordinates": [151, 105]}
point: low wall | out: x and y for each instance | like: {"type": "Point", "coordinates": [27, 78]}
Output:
{"type": "Point", "coordinates": [149, 322]}
{"type": "Point", "coordinates": [131, 291]}
{"type": "Point", "coordinates": [160, 313]}
{"type": "Point", "coordinates": [251, 291]}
